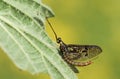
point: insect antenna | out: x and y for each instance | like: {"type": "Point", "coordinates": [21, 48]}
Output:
{"type": "Point", "coordinates": [58, 39]}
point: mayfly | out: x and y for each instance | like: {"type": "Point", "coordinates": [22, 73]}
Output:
{"type": "Point", "coordinates": [73, 54]}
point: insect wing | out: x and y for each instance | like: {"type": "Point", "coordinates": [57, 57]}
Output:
{"type": "Point", "coordinates": [83, 52]}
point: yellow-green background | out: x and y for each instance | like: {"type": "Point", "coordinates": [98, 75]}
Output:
{"type": "Point", "coordinates": [81, 22]}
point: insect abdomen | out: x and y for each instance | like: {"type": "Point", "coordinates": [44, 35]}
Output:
{"type": "Point", "coordinates": [76, 63]}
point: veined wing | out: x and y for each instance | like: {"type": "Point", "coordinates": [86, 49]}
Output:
{"type": "Point", "coordinates": [83, 52]}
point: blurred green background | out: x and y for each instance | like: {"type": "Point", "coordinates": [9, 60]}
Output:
{"type": "Point", "coordinates": [81, 22]}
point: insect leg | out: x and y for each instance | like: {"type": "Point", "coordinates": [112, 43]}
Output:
{"type": "Point", "coordinates": [73, 68]}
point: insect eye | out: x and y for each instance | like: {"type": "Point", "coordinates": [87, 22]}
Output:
{"type": "Point", "coordinates": [58, 40]}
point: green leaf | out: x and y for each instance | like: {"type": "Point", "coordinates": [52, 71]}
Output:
{"type": "Point", "coordinates": [24, 40]}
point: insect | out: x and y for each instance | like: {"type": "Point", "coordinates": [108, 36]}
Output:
{"type": "Point", "coordinates": [75, 55]}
